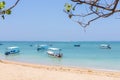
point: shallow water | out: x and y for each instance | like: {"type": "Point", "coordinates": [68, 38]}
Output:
{"type": "Point", "coordinates": [88, 55]}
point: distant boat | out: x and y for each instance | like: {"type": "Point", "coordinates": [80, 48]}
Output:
{"type": "Point", "coordinates": [12, 50]}
{"type": "Point", "coordinates": [105, 46]}
{"type": "Point", "coordinates": [42, 47]}
{"type": "Point", "coordinates": [56, 52]}
{"type": "Point", "coordinates": [31, 45]}
{"type": "Point", "coordinates": [76, 45]}
{"type": "Point", "coordinates": [1, 44]}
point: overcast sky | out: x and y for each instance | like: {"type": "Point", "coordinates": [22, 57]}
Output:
{"type": "Point", "coordinates": [44, 20]}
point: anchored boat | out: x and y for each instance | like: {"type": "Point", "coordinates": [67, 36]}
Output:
{"type": "Point", "coordinates": [42, 47]}
{"type": "Point", "coordinates": [12, 50]}
{"type": "Point", "coordinates": [54, 52]}
{"type": "Point", "coordinates": [105, 46]}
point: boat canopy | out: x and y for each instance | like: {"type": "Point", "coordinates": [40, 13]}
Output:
{"type": "Point", "coordinates": [104, 45]}
{"type": "Point", "coordinates": [54, 49]}
{"type": "Point", "coordinates": [14, 48]}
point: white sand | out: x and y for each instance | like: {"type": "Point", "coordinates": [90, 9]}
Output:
{"type": "Point", "coordinates": [24, 71]}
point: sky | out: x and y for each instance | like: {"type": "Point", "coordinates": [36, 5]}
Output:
{"type": "Point", "coordinates": [44, 20]}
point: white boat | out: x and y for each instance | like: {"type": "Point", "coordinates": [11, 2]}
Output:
{"type": "Point", "coordinates": [105, 46]}
{"type": "Point", "coordinates": [12, 50]}
{"type": "Point", "coordinates": [54, 52]}
{"type": "Point", "coordinates": [42, 47]}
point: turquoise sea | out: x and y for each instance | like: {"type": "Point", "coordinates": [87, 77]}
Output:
{"type": "Point", "coordinates": [88, 55]}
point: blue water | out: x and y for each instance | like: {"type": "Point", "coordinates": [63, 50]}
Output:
{"type": "Point", "coordinates": [88, 55]}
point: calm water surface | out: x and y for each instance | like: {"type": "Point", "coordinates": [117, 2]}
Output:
{"type": "Point", "coordinates": [88, 55]}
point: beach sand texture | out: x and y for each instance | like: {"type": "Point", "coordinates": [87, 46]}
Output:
{"type": "Point", "coordinates": [23, 71]}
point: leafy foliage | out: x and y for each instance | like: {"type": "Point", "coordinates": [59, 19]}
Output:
{"type": "Point", "coordinates": [86, 11]}
{"type": "Point", "coordinates": [2, 4]}
{"type": "Point", "coordinates": [68, 7]}
{"type": "Point", "coordinates": [4, 11]}
{"type": "Point", "coordinates": [8, 11]}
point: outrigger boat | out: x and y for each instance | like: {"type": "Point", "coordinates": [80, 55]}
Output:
{"type": "Point", "coordinates": [42, 47]}
{"type": "Point", "coordinates": [56, 52]}
{"type": "Point", "coordinates": [12, 50]}
{"type": "Point", "coordinates": [105, 46]}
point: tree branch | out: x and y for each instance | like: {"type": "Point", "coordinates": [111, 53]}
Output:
{"type": "Point", "coordinates": [14, 4]}
{"type": "Point", "coordinates": [2, 12]}
{"type": "Point", "coordinates": [96, 9]}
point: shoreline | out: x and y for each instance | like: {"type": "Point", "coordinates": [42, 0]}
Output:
{"type": "Point", "coordinates": [48, 65]}
{"type": "Point", "coordinates": [77, 67]}
{"type": "Point", "coordinates": [60, 70]}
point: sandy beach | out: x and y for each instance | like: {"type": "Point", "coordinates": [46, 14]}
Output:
{"type": "Point", "coordinates": [23, 71]}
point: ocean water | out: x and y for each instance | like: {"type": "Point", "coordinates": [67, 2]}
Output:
{"type": "Point", "coordinates": [88, 55]}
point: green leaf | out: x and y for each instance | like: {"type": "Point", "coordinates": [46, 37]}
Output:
{"type": "Point", "coordinates": [2, 5]}
{"type": "Point", "coordinates": [97, 9]}
{"type": "Point", "coordinates": [8, 11]}
{"type": "Point", "coordinates": [68, 7]}
{"type": "Point", "coordinates": [3, 2]}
